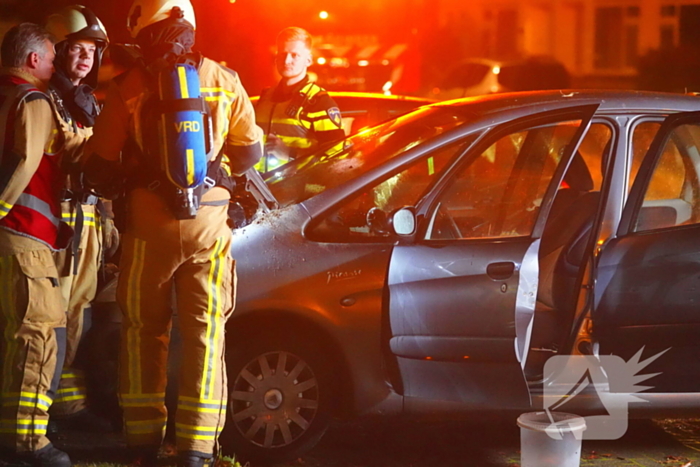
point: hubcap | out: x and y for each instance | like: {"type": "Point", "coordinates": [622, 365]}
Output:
{"type": "Point", "coordinates": [274, 399]}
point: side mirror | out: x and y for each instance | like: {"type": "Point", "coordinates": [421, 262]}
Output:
{"type": "Point", "coordinates": [404, 221]}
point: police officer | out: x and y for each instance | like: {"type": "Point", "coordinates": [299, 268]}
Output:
{"type": "Point", "coordinates": [161, 252]}
{"type": "Point", "coordinates": [81, 40]}
{"type": "Point", "coordinates": [297, 115]}
{"type": "Point", "coordinates": [32, 315]}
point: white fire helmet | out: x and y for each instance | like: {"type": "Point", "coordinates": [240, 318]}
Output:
{"type": "Point", "coordinates": [144, 13]}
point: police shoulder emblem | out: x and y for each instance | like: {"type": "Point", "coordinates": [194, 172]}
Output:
{"type": "Point", "coordinates": [334, 115]}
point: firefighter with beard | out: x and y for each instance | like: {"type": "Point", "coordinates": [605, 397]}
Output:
{"type": "Point", "coordinates": [297, 115]}
{"type": "Point", "coordinates": [32, 315]}
{"type": "Point", "coordinates": [81, 40]}
{"type": "Point", "coordinates": [170, 248]}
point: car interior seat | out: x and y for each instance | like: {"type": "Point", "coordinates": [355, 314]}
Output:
{"type": "Point", "coordinates": [562, 252]}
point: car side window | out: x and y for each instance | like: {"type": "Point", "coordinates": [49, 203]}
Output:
{"type": "Point", "coordinates": [365, 216]}
{"type": "Point", "coordinates": [499, 192]}
{"type": "Point", "coordinates": [672, 196]}
{"type": "Point", "coordinates": [595, 151]}
{"type": "Point", "coordinates": [642, 137]}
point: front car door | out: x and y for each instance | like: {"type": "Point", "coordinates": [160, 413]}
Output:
{"type": "Point", "coordinates": [647, 289]}
{"type": "Point", "coordinates": [462, 292]}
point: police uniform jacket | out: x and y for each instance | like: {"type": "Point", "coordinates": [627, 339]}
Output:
{"type": "Point", "coordinates": [302, 116]}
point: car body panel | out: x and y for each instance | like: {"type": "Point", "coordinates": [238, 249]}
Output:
{"type": "Point", "coordinates": [282, 245]}
{"type": "Point", "coordinates": [345, 302]}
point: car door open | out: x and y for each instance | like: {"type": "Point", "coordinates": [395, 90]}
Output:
{"type": "Point", "coordinates": [462, 293]}
{"type": "Point", "coordinates": [647, 278]}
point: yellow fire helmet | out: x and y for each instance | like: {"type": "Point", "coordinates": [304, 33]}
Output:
{"type": "Point", "coordinates": [144, 13]}
{"type": "Point", "coordinates": [77, 22]}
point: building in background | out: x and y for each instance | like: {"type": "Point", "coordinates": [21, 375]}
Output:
{"type": "Point", "coordinates": [599, 41]}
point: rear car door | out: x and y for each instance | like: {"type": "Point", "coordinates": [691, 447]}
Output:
{"type": "Point", "coordinates": [462, 292]}
{"type": "Point", "coordinates": [647, 289]}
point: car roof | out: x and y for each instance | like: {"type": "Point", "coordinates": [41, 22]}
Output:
{"type": "Point", "coordinates": [611, 101]}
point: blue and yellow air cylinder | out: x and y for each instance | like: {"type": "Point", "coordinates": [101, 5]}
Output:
{"type": "Point", "coordinates": [182, 129]}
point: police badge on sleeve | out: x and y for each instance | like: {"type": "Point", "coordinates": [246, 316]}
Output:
{"type": "Point", "coordinates": [334, 115]}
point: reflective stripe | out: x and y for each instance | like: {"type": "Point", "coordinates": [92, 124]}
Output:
{"type": "Point", "coordinates": [190, 166]}
{"type": "Point", "coordinates": [214, 315]}
{"type": "Point", "coordinates": [89, 219]}
{"type": "Point", "coordinates": [142, 427]}
{"type": "Point", "coordinates": [316, 115]}
{"type": "Point", "coordinates": [38, 205]}
{"type": "Point", "coordinates": [194, 405]}
{"type": "Point", "coordinates": [182, 76]}
{"type": "Point", "coordinates": [133, 309]}
{"type": "Point", "coordinates": [143, 400]}
{"type": "Point", "coordinates": [4, 208]}
{"type": "Point", "coordinates": [197, 432]}
{"type": "Point", "coordinates": [26, 399]}
{"type": "Point", "coordinates": [220, 91]}
{"type": "Point", "coordinates": [70, 394]}
{"type": "Point", "coordinates": [325, 125]}
{"type": "Point", "coordinates": [24, 426]}
{"type": "Point", "coordinates": [66, 375]}
{"type": "Point", "coordinates": [302, 143]}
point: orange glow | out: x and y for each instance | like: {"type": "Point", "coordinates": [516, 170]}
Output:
{"type": "Point", "coordinates": [363, 63]}
{"type": "Point", "coordinates": [428, 358]}
{"type": "Point", "coordinates": [323, 15]}
{"type": "Point", "coordinates": [466, 357]}
{"type": "Point", "coordinates": [321, 60]}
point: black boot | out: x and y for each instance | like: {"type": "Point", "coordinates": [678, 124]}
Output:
{"type": "Point", "coordinates": [194, 459]}
{"type": "Point", "coordinates": [48, 456]}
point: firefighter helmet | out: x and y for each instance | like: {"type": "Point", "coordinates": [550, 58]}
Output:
{"type": "Point", "coordinates": [77, 22]}
{"type": "Point", "coordinates": [144, 13]}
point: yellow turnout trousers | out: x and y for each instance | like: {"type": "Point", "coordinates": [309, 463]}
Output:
{"type": "Point", "coordinates": [31, 311]}
{"type": "Point", "coordinates": [193, 257]}
{"type": "Point", "coordinates": [78, 287]}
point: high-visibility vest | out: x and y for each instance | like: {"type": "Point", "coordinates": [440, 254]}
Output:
{"type": "Point", "coordinates": [37, 212]}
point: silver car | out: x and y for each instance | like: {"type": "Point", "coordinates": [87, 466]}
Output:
{"type": "Point", "coordinates": [435, 264]}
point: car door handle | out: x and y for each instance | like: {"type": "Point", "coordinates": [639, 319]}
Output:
{"type": "Point", "coordinates": [500, 271]}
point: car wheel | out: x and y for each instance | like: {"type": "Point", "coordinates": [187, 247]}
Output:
{"type": "Point", "coordinates": [280, 398]}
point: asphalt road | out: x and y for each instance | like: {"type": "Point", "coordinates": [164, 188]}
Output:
{"type": "Point", "coordinates": [401, 443]}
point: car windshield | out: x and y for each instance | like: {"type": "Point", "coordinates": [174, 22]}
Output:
{"type": "Point", "coordinates": [316, 173]}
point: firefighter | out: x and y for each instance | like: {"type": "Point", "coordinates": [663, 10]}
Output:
{"type": "Point", "coordinates": [297, 116]}
{"type": "Point", "coordinates": [32, 315]}
{"type": "Point", "coordinates": [81, 40]}
{"type": "Point", "coordinates": [162, 255]}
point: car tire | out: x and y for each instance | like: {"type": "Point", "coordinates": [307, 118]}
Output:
{"type": "Point", "coordinates": [281, 398]}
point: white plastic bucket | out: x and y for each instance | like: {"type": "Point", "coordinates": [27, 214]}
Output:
{"type": "Point", "coordinates": [550, 439]}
